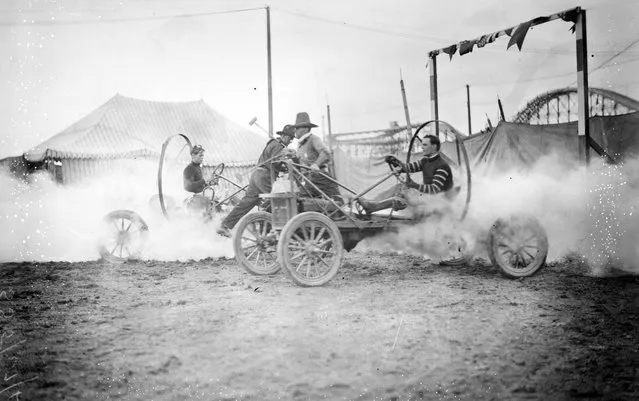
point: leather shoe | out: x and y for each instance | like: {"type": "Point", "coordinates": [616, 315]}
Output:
{"type": "Point", "coordinates": [224, 232]}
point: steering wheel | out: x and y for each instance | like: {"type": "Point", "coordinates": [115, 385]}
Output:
{"type": "Point", "coordinates": [215, 175]}
{"type": "Point", "coordinates": [218, 170]}
{"type": "Point", "coordinates": [393, 164]}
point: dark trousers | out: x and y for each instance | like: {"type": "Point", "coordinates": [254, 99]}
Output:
{"type": "Point", "coordinates": [323, 183]}
{"type": "Point", "coordinates": [260, 183]}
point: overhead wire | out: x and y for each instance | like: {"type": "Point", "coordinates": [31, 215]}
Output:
{"type": "Point", "coordinates": [53, 22]}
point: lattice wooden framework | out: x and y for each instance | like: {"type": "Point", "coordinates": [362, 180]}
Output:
{"type": "Point", "coordinates": [561, 105]}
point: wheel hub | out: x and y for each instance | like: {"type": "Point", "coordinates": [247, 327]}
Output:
{"type": "Point", "coordinates": [311, 249]}
{"type": "Point", "coordinates": [123, 237]}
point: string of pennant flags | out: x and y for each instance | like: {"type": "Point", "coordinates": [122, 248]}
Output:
{"type": "Point", "coordinates": [516, 33]}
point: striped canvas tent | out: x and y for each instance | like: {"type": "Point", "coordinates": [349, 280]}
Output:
{"type": "Point", "coordinates": [125, 129]}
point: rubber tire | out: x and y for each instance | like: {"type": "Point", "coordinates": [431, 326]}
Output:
{"type": "Point", "coordinates": [240, 257]}
{"type": "Point", "coordinates": [285, 237]}
{"type": "Point", "coordinates": [495, 234]}
{"type": "Point", "coordinates": [134, 218]}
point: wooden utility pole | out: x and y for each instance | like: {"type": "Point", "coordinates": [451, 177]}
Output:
{"type": "Point", "coordinates": [270, 77]}
{"type": "Point", "coordinates": [470, 129]}
{"type": "Point", "coordinates": [332, 165]}
{"type": "Point", "coordinates": [583, 114]}
{"type": "Point", "coordinates": [434, 105]}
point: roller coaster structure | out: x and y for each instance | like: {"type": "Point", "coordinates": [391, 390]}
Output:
{"type": "Point", "coordinates": [561, 105]}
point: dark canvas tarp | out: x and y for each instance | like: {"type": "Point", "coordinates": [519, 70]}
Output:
{"type": "Point", "coordinates": [519, 146]}
{"type": "Point", "coordinates": [509, 146]}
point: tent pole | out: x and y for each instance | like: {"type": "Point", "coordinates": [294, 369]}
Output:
{"type": "Point", "coordinates": [501, 109]}
{"type": "Point", "coordinates": [583, 116]}
{"type": "Point", "coordinates": [409, 127]}
{"type": "Point", "coordinates": [434, 106]}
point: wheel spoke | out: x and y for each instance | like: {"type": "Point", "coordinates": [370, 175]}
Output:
{"type": "Point", "coordinates": [130, 224]}
{"type": "Point", "coordinates": [328, 241]}
{"type": "Point", "coordinates": [264, 230]}
{"type": "Point", "coordinates": [532, 257]}
{"type": "Point", "coordinates": [506, 252]}
{"type": "Point", "coordinates": [297, 256]}
{"type": "Point", "coordinates": [265, 262]}
{"type": "Point", "coordinates": [298, 239]}
{"type": "Point", "coordinates": [305, 234]}
{"type": "Point", "coordinates": [250, 239]}
{"type": "Point", "coordinates": [308, 267]}
{"type": "Point", "coordinates": [529, 238]}
{"type": "Point", "coordinates": [114, 248]}
{"type": "Point", "coordinates": [323, 261]}
{"type": "Point", "coordinates": [301, 263]}
{"type": "Point", "coordinates": [252, 229]}
{"type": "Point", "coordinates": [312, 234]}
{"type": "Point", "coordinates": [321, 233]}
{"type": "Point", "coordinates": [115, 224]}
{"type": "Point", "coordinates": [252, 253]}
{"type": "Point", "coordinates": [296, 247]}
{"type": "Point", "coordinates": [326, 252]}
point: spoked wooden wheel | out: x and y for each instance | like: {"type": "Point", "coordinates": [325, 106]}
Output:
{"type": "Point", "coordinates": [123, 236]}
{"type": "Point", "coordinates": [310, 249]}
{"type": "Point", "coordinates": [255, 244]}
{"type": "Point", "coordinates": [518, 246]}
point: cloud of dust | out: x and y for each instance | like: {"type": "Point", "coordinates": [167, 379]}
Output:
{"type": "Point", "coordinates": [590, 211]}
{"type": "Point", "coordinates": [44, 221]}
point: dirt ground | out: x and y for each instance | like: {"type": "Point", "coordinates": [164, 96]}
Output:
{"type": "Point", "coordinates": [388, 327]}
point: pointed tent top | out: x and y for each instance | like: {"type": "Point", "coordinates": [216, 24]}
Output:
{"type": "Point", "coordinates": [123, 126]}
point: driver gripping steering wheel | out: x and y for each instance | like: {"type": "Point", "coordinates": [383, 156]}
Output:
{"type": "Point", "coordinates": [436, 172]}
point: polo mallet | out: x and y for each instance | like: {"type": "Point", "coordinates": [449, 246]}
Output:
{"type": "Point", "coordinates": [254, 122]}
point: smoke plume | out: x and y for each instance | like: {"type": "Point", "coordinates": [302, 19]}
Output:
{"type": "Point", "coordinates": [44, 221]}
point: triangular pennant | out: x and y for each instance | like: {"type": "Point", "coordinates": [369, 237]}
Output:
{"type": "Point", "coordinates": [519, 34]}
{"type": "Point", "coordinates": [450, 50]}
{"type": "Point", "coordinates": [466, 47]}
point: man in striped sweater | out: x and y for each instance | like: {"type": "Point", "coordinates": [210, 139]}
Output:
{"type": "Point", "coordinates": [436, 173]}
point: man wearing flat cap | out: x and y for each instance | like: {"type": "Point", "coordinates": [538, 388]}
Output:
{"type": "Point", "coordinates": [312, 153]}
{"type": "Point", "coordinates": [261, 179]}
{"type": "Point", "coordinates": [192, 175]}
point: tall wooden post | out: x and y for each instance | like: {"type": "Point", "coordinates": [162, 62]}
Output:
{"type": "Point", "coordinates": [270, 78]}
{"type": "Point", "coordinates": [409, 126]}
{"type": "Point", "coordinates": [583, 114]}
{"type": "Point", "coordinates": [332, 165]}
{"type": "Point", "coordinates": [434, 106]}
{"type": "Point", "coordinates": [470, 129]}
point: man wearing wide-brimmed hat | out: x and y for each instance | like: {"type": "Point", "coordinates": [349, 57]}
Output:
{"type": "Point", "coordinates": [261, 179]}
{"type": "Point", "coordinates": [314, 154]}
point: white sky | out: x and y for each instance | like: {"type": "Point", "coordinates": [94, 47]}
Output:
{"type": "Point", "coordinates": [57, 66]}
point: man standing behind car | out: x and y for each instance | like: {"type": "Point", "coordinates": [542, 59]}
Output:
{"type": "Point", "coordinates": [261, 179]}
